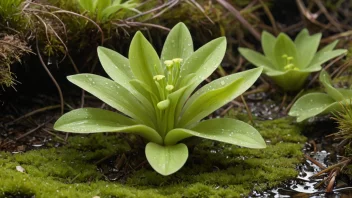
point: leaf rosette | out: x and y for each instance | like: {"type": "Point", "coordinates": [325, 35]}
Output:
{"type": "Point", "coordinates": [154, 96]}
{"type": "Point", "coordinates": [288, 63]}
{"type": "Point", "coordinates": [313, 104]}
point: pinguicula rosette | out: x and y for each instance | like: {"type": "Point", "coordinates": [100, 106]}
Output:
{"type": "Point", "coordinates": [313, 104]}
{"type": "Point", "coordinates": [155, 101]}
{"type": "Point", "coordinates": [288, 63]}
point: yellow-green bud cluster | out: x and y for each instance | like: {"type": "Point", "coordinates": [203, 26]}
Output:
{"type": "Point", "coordinates": [289, 65]}
{"type": "Point", "coordinates": [166, 84]}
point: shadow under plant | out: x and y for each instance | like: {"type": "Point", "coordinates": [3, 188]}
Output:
{"type": "Point", "coordinates": [228, 171]}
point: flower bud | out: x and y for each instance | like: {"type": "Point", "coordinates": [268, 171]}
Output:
{"type": "Point", "coordinates": [158, 77]}
{"type": "Point", "coordinates": [289, 58]}
{"type": "Point", "coordinates": [177, 60]}
{"type": "Point", "coordinates": [169, 87]}
{"type": "Point", "coordinates": [163, 104]}
{"type": "Point", "coordinates": [168, 63]}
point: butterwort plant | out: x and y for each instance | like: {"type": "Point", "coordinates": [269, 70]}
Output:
{"type": "Point", "coordinates": [102, 10]}
{"type": "Point", "coordinates": [313, 104]}
{"type": "Point", "coordinates": [288, 62]}
{"type": "Point", "coordinates": [155, 101]}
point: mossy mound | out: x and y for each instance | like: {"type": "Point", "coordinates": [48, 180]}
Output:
{"type": "Point", "coordinates": [213, 170]}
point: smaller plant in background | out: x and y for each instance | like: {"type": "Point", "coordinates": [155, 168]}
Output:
{"type": "Point", "coordinates": [103, 10]}
{"type": "Point", "coordinates": [155, 97]}
{"type": "Point", "coordinates": [289, 62]}
{"type": "Point", "coordinates": [313, 104]}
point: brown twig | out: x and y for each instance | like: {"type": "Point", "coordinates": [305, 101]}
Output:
{"type": "Point", "coordinates": [51, 76]}
{"type": "Point", "coordinates": [328, 16]}
{"type": "Point", "coordinates": [226, 110]}
{"type": "Point", "coordinates": [293, 101]}
{"type": "Point", "coordinates": [308, 15]}
{"type": "Point", "coordinates": [322, 167]}
{"type": "Point", "coordinates": [134, 24]}
{"type": "Point", "coordinates": [194, 2]}
{"type": "Point", "coordinates": [270, 16]}
{"type": "Point", "coordinates": [152, 10]}
{"type": "Point", "coordinates": [343, 67]}
{"type": "Point", "coordinates": [34, 112]}
{"type": "Point", "coordinates": [247, 109]}
{"type": "Point", "coordinates": [28, 133]}
{"type": "Point", "coordinates": [327, 67]}
{"type": "Point", "coordinates": [239, 17]}
{"type": "Point", "coordinates": [79, 15]}
{"type": "Point", "coordinates": [331, 167]}
{"type": "Point", "coordinates": [337, 36]}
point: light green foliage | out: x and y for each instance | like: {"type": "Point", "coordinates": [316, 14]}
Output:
{"type": "Point", "coordinates": [313, 104]}
{"type": "Point", "coordinates": [102, 10]}
{"type": "Point", "coordinates": [214, 169]}
{"type": "Point", "coordinates": [288, 62]}
{"type": "Point", "coordinates": [10, 14]}
{"type": "Point", "coordinates": [153, 94]}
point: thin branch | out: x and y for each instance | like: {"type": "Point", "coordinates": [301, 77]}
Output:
{"type": "Point", "coordinates": [133, 24]}
{"type": "Point", "coordinates": [151, 10]}
{"type": "Point", "coordinates": [328, 16]}
{"type": "Point", "coordinates": [270, 16]}
{"type": "Point", "coordinates": [51, 76]}
{"type": "Point", "coordinates": [79, 15]}
{"type": "Point", "coordinates": [247, 109]}
{"type": "Point", "coordinates": [34, 112]}
{"type": "Point", "coordinates": [239, 17]}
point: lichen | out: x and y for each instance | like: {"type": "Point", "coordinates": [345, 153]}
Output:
{"type": "Point", "coordinates": [213, 170]}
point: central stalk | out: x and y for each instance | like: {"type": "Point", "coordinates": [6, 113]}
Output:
{"type": "Point", "coordinates": [166, 85]}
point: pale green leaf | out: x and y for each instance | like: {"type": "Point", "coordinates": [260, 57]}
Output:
{"type": "Point", "coordinates": [115, 65]}
{"type": "Point", "coordinates": [312, 68]}
{"type": "Point", "coordinates": [321, 58]}
{"type": "Point", "coordinates": [142, 88]}
{"type": "Point", "coordinates": [221, 129]}
{"type": "Point", "coordinates": [216, 94]}
{"type": "Point", "coordinates": [116, 2]}
{"type": "Point", "coordinates": [310, 105]}
{"type": "Point", "coordinates": [178, 44]}
{"type": "Point", "coordinates": [92, 120]}
{"type": "Point", "coordinates": [113, 94]}
{"type": "Point", "coordinates": [327, 48]}
{"type": "Point", "coordinates": [325, 79]}
{"type": "Point", "coordinates": [306, 47]}
{"type": "Point", "coordinates": [285, 46]}
{"type": "Point", "coordinates": [268, 42]}
{"type": "Point", "coordinates": [166, 160]}
{"type": "Point", "coordinates": [144, 61]}
{"type": "Point", "coordinates": [347, 93]}
{"type": "Point", "coordinates": [146, 96]}
{"type": "Point", "coordinates": [200, 65]}
{"type": "Point", "coordinates": [108, 11]}
{"type": "Point", "coordinates": [118, 68]}
{"type": "Point", "coordinates": [87, 5]}
{"type": "Point", "coordinates": [205, 60]}
{"type": "Point", "coordinates": [257, 59]}
{"type": "Point", "coordinates": [102, 4]}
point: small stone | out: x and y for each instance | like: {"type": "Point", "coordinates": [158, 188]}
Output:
{"type": "Point", "coordinates": [20, 169]}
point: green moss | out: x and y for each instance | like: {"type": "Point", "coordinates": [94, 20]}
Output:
{"type": "Point", "coordinates": [213, 170]}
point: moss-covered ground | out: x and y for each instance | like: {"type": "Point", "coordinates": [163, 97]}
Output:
{"type": "Point", "coordinates": [213, 169]}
